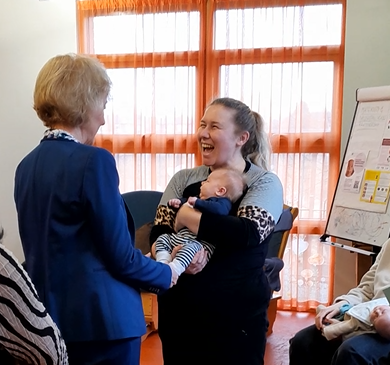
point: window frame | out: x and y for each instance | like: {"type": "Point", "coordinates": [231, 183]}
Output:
{"type": "Point", "coordinates": [207, 83]}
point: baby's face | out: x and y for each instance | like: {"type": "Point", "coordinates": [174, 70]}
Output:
{"type": "Point", "coordinates": [379, 313]}
{"type": "Point", "coordinates": [380, 318]}
{"type": "Point", "coordinates": [210, 187]}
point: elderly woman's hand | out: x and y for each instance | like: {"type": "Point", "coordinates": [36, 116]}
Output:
{"type": "Point", "coordinates": [325, 315]}
{"type": "Point", "coordinates": [198, 262]}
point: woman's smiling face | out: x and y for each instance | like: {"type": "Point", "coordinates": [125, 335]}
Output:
{"type": "Point", "coordinates": [218, 139]}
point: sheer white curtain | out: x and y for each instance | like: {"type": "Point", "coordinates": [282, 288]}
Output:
{"type": "Point", "coordinates": [168, 59]}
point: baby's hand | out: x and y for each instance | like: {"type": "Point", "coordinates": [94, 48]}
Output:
{"type": "Point", "coordinates": [191, 200]}
{"type": "Point", "coordinates": [175, 203]}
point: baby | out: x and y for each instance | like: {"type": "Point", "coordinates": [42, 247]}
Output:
{"type": "Point", "coordinates": [380, 319]}
{"type": "Point", "coordinates": [222, 188]}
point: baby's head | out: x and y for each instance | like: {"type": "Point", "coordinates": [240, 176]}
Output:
{"type": "Point", "coordinates": [226, 183]}
{"type": "Point", "coordinates": [380, 318]}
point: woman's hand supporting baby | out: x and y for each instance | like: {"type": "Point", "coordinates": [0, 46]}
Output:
{"type": "Point", "coordinates": [198, 262]}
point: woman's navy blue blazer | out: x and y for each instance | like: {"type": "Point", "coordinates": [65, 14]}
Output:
{"type": "Point", "coordinates": [78, 245]}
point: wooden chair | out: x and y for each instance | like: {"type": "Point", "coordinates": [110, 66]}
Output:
{"type": "Point", "coordinates": [142, 205]}
{"type": "Point", "coordinates": [277, 247]}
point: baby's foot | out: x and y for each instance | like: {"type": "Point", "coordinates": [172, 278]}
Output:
{"type": "Point", "coordinates": [177, 267]}
{"type": "Point", "coordinates": [164, 257]}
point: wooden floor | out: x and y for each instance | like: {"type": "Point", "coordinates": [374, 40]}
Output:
{"type": "Point", "coordinates": [286, 325]}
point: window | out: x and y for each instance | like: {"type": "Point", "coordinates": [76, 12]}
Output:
{"type": "Point", "coordinates": [169, 59]}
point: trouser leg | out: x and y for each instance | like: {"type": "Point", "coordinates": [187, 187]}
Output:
{"type": "Point", "coordinates": [309, 347]}
{"type": "Point", "coordinates": [363, 349]}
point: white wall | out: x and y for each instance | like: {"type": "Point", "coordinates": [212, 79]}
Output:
{"type": "Point", "coordinates": [367, 64]}
{"type": "Point", "coordinates": [367, 52]}
{"type": "Point", "coordinates": [31, 32]}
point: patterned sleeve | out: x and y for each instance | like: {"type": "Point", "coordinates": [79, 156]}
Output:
{"type": "Point", "coordinates": [27, 331]}
{"type": "Point", "coordinates": [263, 202]}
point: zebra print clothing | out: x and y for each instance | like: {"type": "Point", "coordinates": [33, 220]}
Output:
{"type": "Point", "coordinates": [166, 242]}
{"type": "Point", "coordinates": [27, 331]}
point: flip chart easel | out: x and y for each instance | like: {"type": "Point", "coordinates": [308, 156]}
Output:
{"type": "Point", "coordinates": [360, 211]}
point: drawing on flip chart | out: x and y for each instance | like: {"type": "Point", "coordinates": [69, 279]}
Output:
{"type": "Point", "coordinates": [360, 225]}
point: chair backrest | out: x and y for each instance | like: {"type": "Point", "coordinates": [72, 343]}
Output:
{"type": "Point", "coordinates": [142, 205]}
{"type": "Point", "coordinates": [277, 245]}
{"type": "Point", "coordinates": [278, 242]}
{"type": "Point", "coordinates": [294, 213]}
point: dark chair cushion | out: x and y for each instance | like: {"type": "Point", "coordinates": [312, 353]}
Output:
{"type": "Point", "coordinates": [285, 221]}
{"type": "Point", "coordinates": [274, 244]}
{"type": "Point", "coordinates": [272, 268]}
{"type": "Point", "coordinates": [142, 237]}
{"type": "Point", "coordinates": [284, 224]}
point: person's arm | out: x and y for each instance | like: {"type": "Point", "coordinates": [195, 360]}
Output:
{"type": "Point", "coordinates": [221, 206]}
{"type": "Point", "coordinates": [106, 216]}
{"type": "Point", "coordinates": [364, 292]}
{"type": "Point", "coordinates": [325, 314]}
{"type": "Point", "coordinates": [188, 217]}
{"type": "Point", "coordinates": [373, 281]}
{"type": "Point", "coordinates": [165, 215]}
{"type": "Point", "coordinates": [191, 216]}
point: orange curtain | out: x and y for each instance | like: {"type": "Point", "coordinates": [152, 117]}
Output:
{"type": "Point", "coordinates": [284, 58]}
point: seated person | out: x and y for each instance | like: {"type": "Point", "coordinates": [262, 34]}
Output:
{"type": "Point", "coordinates": [222, 188]}
{"type": "Point", "coordinates": [309, 346]}
{"type": "Point", "coordinates": [368, 316]}
{"type": "Point", "coordinates": [27, 332]}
